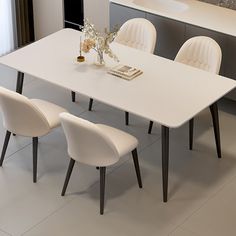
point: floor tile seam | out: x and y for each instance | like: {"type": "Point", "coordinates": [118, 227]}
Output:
{"type": "Point", "coordinates": [205, 202]}
{"type": "Point", "coordinates": [27, 83]}
{"type": "Point", "coordinates": [48, 216]}
{"type": "Point", "coordinates": [10, 156]}
{"type": "Point", "coordinates": [194, 233]}
{"type": "Point", "coordinates": [5, 232]}
{"type": "Point", "coordinates": [184, 229]}
{"type": "Point", "coordinates": [159, 138]}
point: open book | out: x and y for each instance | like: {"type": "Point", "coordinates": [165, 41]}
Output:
{"type": "Point", "coordinates": [125, 72]}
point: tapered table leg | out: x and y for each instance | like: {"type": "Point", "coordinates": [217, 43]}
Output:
{"type": "Point", "coordinates": [126, 118]}
{"type": "Point", "coordinates": [150, 127]}
{"type": "Point", "coordinates": [191, 125]}
{"type": "Point", "coordinates": [165, 160]}
{"type": "Point", "coordinates": [215, 120]}
{"type": "Point", "coordinates": [73, 96]}
{"type": "Point", "coordinates": [20, 82]}
{"type": "Point", "coordinates": [90, 104]}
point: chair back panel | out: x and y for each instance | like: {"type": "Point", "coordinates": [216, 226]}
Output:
{"type": "Point", "coordinates": [87, 143]}
{"type": "Point", "coordinates": [201, 52]}
{"type": "Point", "coordinates": [138, 33]}
{"type": "Point", "coordinates": [20, 116]}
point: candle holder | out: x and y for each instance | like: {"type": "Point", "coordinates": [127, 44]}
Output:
{"type": "Point", "coordinates": [80, 58]}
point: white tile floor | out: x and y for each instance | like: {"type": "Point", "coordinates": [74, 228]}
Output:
{"type": "Point", "coordinates": [202, 188]}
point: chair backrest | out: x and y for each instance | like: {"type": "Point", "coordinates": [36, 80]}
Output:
{"type": "Point", "coordinates": [87, 143]}
{"type": "Point", "coordinates": [201, 52]}
{"type": "Point", "coordinates": [20, 116]}
{"type": "Point", "coordinates": [138, 33]}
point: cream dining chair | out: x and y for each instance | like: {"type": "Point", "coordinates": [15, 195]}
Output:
{"type": "Point", "coordinates": [96, 145]}
{"type": "Point", "coordinates": [203, 53]}
{"type": "Point", "coordinates": [137, 33]}
{"type": "Point", "coordinates": [27, 117]}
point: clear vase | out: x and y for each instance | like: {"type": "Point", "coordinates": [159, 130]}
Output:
{"type": "Point", "coordinates": [100, 59]}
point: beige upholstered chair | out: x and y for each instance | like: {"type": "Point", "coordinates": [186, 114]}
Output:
{"type": "Point", "coordinates": [137, 33]}
{"type": "Point", "coordinates": [27, 117]}
{"type": "Point", "coordinates": [203, 53]}
{"type": "Point", "coordinates": [96, 145]}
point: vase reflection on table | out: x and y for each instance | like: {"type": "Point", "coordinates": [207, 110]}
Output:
{"type": "Point", "coordinates": [100, 42]}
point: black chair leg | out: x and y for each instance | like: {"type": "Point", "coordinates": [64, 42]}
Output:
{"type": "Point", "coordinates": [68, 174]}
{"type": "Point", "coordinates": [126, 118]}
{"type": "Point", "coordinates": [191, 125]}
{"type": "Point", "coordinates": [102, 188]}
{"type": "Point", "coordinates": [35, 158]}
{"type": "Point", "coordinates": [20, 82]}
{"type": "Point", "coordinates": [215, 119]}
{"type": "Point", "coordinates": [137, 169]}
{"type": "Point", "coordinates": [150, 127]}
{"type": "Point", "coordinates": [6, 141]}
{"type": "Point", "coordinates": [90, 104]}
{"type": "Point", "coordinates": [73, 96]}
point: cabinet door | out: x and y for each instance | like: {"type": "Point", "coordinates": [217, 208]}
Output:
{"type": "Point", "coordinates": [192, 31]}
{"type": "Point", "coordinates": [230, 62]}
{"type": "Point", "coordinates": [230, 57]}
{"type": "Point", "coordinates": [120, 14]}
{"type": "Point", "coordinates": [170, 35]}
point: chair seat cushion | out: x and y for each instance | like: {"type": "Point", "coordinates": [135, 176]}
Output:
{"type": "Point", "coordinates": [50, 111]}
{"type": "Point", "coordinates": [123, 141]}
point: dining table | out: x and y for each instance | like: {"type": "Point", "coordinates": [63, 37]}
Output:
{"type": "Point", "coordinates": [167, 92]}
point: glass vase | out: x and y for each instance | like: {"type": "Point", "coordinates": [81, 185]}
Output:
{"type": "Point", "coordinates": [99, 61]}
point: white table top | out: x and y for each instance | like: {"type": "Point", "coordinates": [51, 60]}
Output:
{"type": "Point", "coordinates": [167, 92]}
{"type": "Point", "coordinates": [197, 13]}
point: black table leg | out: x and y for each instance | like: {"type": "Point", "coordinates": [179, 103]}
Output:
{"type": "Point", "coordinates": [20, 82]}
{"type": "Point", "coordinates": [191, 125]}
{"type": "Point", "coordinates": [150, 127]}
{"type": "Point", "coordinates": [165, 160]}
{"type": "Point", "coordinates": [90, 104]}
{"type": "Point", "coordinates": [73, 96]}
{"type": "Point", "coordinates": [126, 118]}
{"type": "Point", "coordinates": [215, 119]}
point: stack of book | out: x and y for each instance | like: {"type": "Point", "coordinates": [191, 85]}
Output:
{"type": "Point", "coordinates": [125, 72]}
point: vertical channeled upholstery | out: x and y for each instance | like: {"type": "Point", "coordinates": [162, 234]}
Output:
{"type": "Point", "coordinates": [138, 33]}
{"type": "Point", "coordinates": [201, 52]}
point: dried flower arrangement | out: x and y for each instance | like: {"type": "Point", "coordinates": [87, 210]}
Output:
{"type": "Point", "coordinates": [98, 41]}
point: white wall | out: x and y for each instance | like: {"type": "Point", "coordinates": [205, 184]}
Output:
{"type": "Point", "coordinates": [97, 11]}
{"type": "Point", "coordinates": [48, 17]}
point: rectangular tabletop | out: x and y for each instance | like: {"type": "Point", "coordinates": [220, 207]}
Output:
{"type": "Point", "coordinates": [167, 92]}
